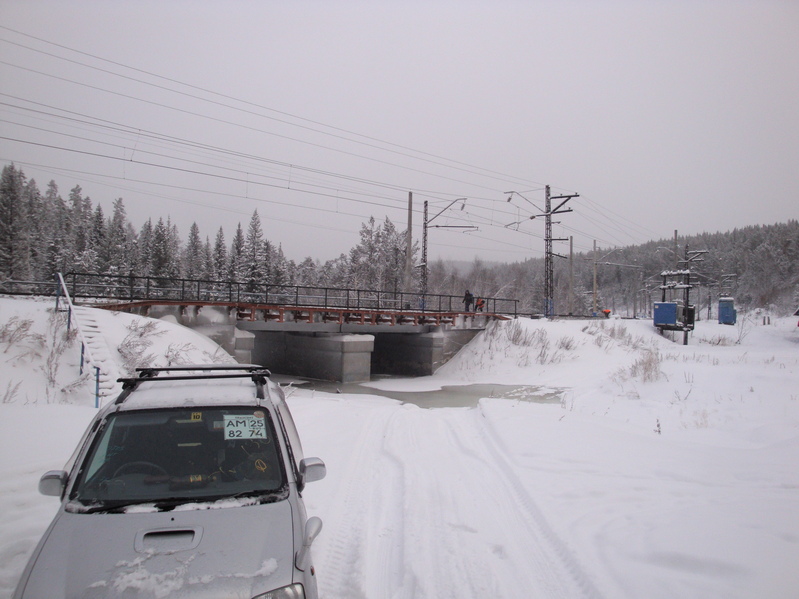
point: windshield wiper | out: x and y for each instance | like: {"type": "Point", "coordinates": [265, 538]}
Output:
{"type": "Point", "coordinates": [166, 504]}
{"type": "Point", "coordinates": [263, 495]}
{"type": "Point", "coordinates": [107, 507]}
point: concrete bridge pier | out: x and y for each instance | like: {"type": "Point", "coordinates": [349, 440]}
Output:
{"type": "Point", "coordinates": [417, 354]}
{"type": "Point", "coordinates": [326, 356]}
{"type": "Point", "coordinates": [353, 358]}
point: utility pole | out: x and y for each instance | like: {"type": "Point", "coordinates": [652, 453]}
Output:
{"type": "Point", "coordinates": [676, 255]}
{"type": "Point", "coordinates": [594, 312]}
{"type": "Point", "coordinates": [709, 299]}
{"type": "Point", "coordinates": [549, 267]}
{"type": "Point", "coordinates": [408, 247]}
{"type": "Point", "coordinates": [424, 250]}
{"type": "Point", "coordinates": [549, 255]}
{"type": "Point", "coordinates": [571, 275]}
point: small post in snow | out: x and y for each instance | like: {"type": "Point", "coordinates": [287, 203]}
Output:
{"type": "Point", "coordinates": [96, 386]}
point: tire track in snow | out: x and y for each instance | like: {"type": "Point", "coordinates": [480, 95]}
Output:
{"type": "Point", "coordinates": [535, 519]}
{"type": "Point", "coordinates": [515, 553]}
{"type": "Point", "coordinates": [429, 507]}
{"type": "Point", "coordinates": [367, 509]}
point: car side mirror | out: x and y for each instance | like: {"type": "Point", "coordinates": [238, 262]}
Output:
{"type": "Point", "coordinates": [312, 529]}
{"type": "Point", "coordinates": [311, 469]}
{"type": "Point", "coordinates": [52, 483]}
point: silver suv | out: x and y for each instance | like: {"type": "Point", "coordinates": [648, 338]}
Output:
{"type": "Point", "coordinates": [188, 485]}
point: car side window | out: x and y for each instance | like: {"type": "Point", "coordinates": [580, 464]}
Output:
{"type": "Point", "coordinates": [99, 457]}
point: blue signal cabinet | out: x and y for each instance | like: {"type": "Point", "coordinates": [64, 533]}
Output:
{"type": "Point", "coordinates": [727, 312]}
{"type": "Point", "coordinates": [665, 314]}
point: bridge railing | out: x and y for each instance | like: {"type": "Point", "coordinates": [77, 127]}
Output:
{"type": "Point", "coordinates": [15, 287]}
{"type": "Point", "coordinates": [141, 288]}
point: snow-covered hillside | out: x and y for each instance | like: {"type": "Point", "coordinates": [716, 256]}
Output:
{"type": "Point", "coordinates": [664, 471]}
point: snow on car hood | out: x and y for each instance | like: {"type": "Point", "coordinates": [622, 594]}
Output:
{"type": "Point", "coordinates": [234, 552]}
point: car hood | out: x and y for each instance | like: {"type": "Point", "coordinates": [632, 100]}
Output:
{"type": "Point", "coordinates": [229, 552]}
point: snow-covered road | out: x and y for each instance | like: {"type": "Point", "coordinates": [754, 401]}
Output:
{"type": "Point", "coordinates": [476, 530]}
{"type": "Point", "coordinates": [516, 499]}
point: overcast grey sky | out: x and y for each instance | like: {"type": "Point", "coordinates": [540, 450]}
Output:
{"type": "Point", "coordinates": [661, 115]}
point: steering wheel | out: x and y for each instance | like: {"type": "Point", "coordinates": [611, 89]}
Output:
{"type": "Point", "coordinates": [146, 467]}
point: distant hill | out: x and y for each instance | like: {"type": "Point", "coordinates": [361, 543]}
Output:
{"type": "Point", "coordinates": [758, 265]}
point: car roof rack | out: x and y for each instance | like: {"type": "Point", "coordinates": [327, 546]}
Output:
{"type": "Point", "coordinates": [258, 374]}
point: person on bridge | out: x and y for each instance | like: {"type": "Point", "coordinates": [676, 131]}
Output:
{"type": "Point", "coordinates": [468, 298]}
{"type": "Point", "coordinates": [479, 304]}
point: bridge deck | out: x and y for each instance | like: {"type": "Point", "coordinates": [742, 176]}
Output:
{"type": "Point", "coordinates": [311, 314]}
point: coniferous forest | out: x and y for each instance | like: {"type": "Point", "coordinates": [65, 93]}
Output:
{"type": "Point", "coordinates": [42, 233]}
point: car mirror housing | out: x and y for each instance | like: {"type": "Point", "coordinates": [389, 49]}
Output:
{"type": "Point", "coordinates": [311, 469]}
{"type": "Point", "coordinates": [312, 529]}
{"type": "Point", "coordinates": [53, 482]}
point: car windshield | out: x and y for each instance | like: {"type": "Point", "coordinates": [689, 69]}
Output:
{"type": "Point", "coordinates": [170, 457]}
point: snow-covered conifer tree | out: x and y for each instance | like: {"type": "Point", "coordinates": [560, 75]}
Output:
{"type": "Point", "coordinates": [38, 237]}
{"type": "Point", "coordinates": [159, 250]}
{"type": "Point", "coordinates": [307, 272]}
{"type": "Point", "coordinates": [14, 240]}
{"type": "Point", "coordinates": [219, 261]}
{"type": "Point", "coordinates": [236, 268]}
{"type": "Point", "coordinates": [144, 246]}
{"type": "Point", "coordinates": [255, 265]}
{"type": "Point", "coordinates": [193, 255]}
{"type": "Point", "coordinates": [55, 216]}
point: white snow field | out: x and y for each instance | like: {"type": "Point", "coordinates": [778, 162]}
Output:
{"type": "Point", "coordinates": [664, 470]}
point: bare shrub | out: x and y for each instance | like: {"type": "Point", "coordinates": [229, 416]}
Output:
{"type": "Point", "coordinates": [605, 334]}
{"type": "Point", "coordinates": [60, 340]}
{"type": "Point", "coordinates": [134, 346]}
{"type": "Point", "coordinates": [75, 385]}
{"type": "Point", "coordinates": [743, 325]}
{"type": "Point", "coordinates": [717, 340]}
{"type": "Point", "coordinates": [14, 331]}
{"type": "Point", "coordinates": [16, 334]}
{"type": "Point", "coordinates": [10, 392]}
{"type": "Point", "coordinates": [647, 367]}
{"type": "Point", "coordinates": [638, 342]}
{"type": "Point", "coordinates": [618, 332]}
{"type": "Point", "coordinates": [174, 354]}
{"type": "Point", "coordinates": [517, 335]}
{"type": "Point", "coordinates": [567, 343]}
{"type": "Point", "coordinates": [536, 340]}
{"type": "Point", "coordinates": [543, 350]}
{"type": "Point", "coordinates": [144, 328]}
{"type": "Point", "coordinates": [219, 356]}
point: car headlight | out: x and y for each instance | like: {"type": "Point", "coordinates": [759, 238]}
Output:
{"type": "Point", "coordinates": [293, 591]}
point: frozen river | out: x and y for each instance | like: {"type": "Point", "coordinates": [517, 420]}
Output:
{"type": "Point", "coordinates": [448, 396]}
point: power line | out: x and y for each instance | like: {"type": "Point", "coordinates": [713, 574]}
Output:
{"type": "Point", "coordinates": [227, 122]}
{"type": "Point", "coordinates": [611, 224]}
{"type": "Point", "coordinates": [217, 94]}
{"type": "Point", "coordinates": [139, 133]}
{"type": "Point", "coordinates": [143, 133]}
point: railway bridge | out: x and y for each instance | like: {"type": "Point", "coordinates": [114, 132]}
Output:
{"type": "Point", "coordinates": [337, 334]}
